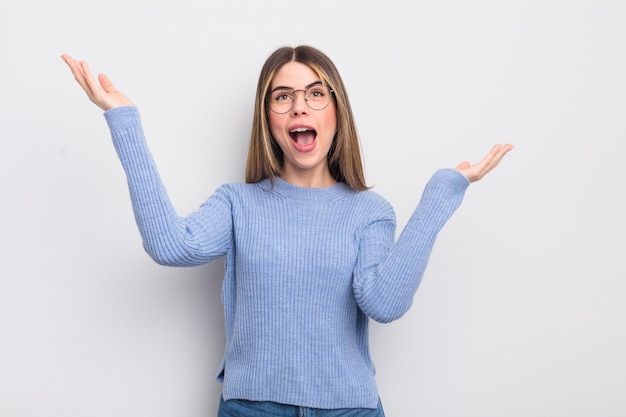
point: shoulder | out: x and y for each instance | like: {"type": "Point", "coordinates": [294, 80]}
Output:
{"type": "Point", "coordinates": [245, 188]}
{"type": "Point", "coordinates": [372, 204]}
{"type": "Point", "coordinates": [372, 197]}
{"type": "Point", "coordinates": [241, 191]}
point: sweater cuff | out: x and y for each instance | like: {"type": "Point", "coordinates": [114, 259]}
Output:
{"type": "Point", "coordinates": [122, 117]}
{"type": "Point", "coordinates": [452, 178]}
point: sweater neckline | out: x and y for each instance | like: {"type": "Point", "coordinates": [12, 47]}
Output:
{"type": "Point", "coordinates": [286, 189]}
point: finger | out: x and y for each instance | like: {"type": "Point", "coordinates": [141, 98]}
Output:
{"type": "Point", "coordinates": [76, 71]}
{"type": "Point", "coordinates": [496, 154]}
{"type": "Point", "coordinates": [486, 164]}
{"type": "Point", "coordinates": [93, 86]}
{"type": "Point", "coordinates": [492, 154]}
{"type": "Point", "coordinates": [506, 148]}
{"type": "Point", "coordinates": [494, 158]}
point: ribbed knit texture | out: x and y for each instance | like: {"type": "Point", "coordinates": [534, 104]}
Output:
{"type": "Point", "coordinates": [305, 269]}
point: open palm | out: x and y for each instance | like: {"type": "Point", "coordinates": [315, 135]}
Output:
{"type": "Point", "coordinates": [102, 92]}
{"type": "Point", "coordinates": [475, 172]}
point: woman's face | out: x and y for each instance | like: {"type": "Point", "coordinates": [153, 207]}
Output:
{"type": "Point", "coordinates": [304, 135]}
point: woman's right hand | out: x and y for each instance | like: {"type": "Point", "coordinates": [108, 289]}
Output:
{"type": "Point", "coordinates": [102, 92]}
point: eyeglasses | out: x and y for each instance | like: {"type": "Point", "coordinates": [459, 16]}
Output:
{"type": "Point", "coordinates": [317, 97]}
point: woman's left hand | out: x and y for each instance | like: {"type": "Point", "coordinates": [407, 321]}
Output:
{"type": "Point", "coordinates": [474, 172]}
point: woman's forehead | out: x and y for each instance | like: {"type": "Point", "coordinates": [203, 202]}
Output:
{"type": "Point", "coordinates": [294, 75]}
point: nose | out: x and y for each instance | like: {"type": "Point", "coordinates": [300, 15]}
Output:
{"type": "Point", "coordinates": [299, 102]}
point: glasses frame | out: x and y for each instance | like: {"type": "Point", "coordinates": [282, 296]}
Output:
{"type": "Point", "coordinates": [293, 100]}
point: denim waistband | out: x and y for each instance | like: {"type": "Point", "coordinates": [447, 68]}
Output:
{"type": "Point", "coordinates": [244, 408]}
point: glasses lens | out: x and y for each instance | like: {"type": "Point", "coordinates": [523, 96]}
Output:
{"type": "Point", "coordinates": [281, 101]}
{"type": "Point", "coordinates": [317, 97]}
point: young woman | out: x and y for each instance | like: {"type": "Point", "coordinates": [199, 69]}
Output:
{"type": "Point", "coordinates": [310, 251]}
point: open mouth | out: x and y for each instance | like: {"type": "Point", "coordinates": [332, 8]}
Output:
{"type": "Point", "coordinates": [303, 135]}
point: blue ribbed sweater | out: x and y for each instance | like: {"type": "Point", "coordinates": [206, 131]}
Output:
{"type": "Point", "coordinates": [305, 270]}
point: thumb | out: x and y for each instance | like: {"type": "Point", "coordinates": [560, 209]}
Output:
{"type": "Point", "coordinates": [112, 97]}
{"type": "Point", "coordinates": [106, 83]}
{"type": "Point", "coordinates": [463, 165]}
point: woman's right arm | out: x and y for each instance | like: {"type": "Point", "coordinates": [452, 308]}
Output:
{"type": "Point", "coordinates": [168, 238]}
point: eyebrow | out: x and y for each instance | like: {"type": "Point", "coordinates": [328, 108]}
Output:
{"type": "Point", "coordinates": [282, 87]}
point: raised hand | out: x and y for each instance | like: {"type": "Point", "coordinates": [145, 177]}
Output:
{"type": "Point", "coordinates": [102, 93]}
{"type": "Point", "coordinates": [475, 172]}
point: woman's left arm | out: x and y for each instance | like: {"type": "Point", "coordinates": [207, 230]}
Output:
{"type": "Point", "coordinates": [388, 274]}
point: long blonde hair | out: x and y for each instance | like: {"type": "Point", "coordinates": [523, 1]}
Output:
{"type": "Point", "coordinates": [265, 158]}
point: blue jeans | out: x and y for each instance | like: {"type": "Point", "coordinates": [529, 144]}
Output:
{"type": "Point", "coordinates": [243, 408]}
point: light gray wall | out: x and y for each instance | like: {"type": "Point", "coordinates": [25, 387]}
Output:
{"type": "Point", "coordinates": [521, 310]}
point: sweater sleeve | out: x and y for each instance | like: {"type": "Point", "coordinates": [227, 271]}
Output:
{"type": "Point", "coordinates": [388, 274]}
{"type": "Point", "coordinates": [167, 237]}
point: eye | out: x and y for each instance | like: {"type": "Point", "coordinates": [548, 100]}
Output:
{"type": "Point", "coordinates": [282, 95]}
{"type": "Point", "coordinates": [317, 91]}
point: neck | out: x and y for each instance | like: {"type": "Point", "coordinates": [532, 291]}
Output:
{"type": "Point", "coordinates": [308, 179]}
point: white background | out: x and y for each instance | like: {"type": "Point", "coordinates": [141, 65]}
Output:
{"type": "Point", "coordinates": [520, 312]}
